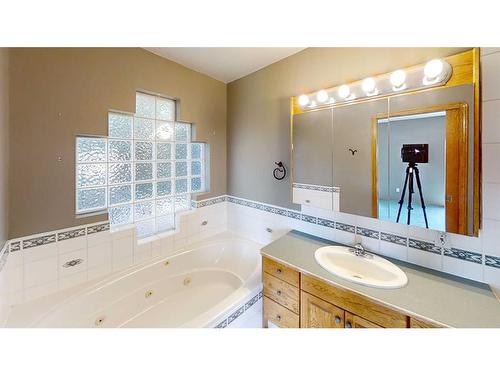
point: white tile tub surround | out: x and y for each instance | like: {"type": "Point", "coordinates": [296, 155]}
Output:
{"type": "Point", "coordinates": [45, 263]}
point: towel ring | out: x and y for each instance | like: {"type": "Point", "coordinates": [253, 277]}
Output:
{"type": "Point", "coordinates": [279, 172]}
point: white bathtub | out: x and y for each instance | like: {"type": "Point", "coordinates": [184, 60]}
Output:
{"type": "Point", "coordinates": [197, 287]}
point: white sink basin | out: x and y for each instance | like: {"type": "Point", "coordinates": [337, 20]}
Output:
{"type": "Point", "coordinates": [369, 269]}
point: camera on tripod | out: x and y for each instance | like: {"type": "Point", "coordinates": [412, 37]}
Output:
{"type": "Point", "coordinates": [413, 154]}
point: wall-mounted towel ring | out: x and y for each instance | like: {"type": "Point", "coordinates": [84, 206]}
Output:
{"type": "Point", "coordinates": [279, 172]}
{"type": "Point", "coordinates": [353, 151]}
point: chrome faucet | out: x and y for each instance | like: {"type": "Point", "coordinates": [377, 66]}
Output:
{"type": "Point", "coordinates": [360, 251]}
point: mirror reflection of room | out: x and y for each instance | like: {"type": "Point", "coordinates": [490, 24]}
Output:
{"type": "Point", "coordinates": [403, 175]}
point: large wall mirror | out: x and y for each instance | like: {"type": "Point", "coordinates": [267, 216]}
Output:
{"type": "Point", "coordinates": [408, 157]}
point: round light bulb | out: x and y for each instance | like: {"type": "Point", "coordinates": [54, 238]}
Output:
{"type": "Point", "coordinates": [344, 91]}
{"type": "Point", "coordinates": [398, 78]}
{"type": "Point", "coordinates": [433, 69]}
{"type": "Point", "coordinates": [368, 85]}
{"type": "Point", "coordinates": [322, 96]}
{"type": "Point", "coordinates": [303, 100]}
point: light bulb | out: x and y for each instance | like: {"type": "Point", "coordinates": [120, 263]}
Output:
{"type": "Point", "coordinates": [322, 96]}
{"type": "Point", "coordinates": [433, 69]}
{"type": "Point", "coordinates": [398, 78]}
{"type": "Point", "coordinates": [344, 91]}
{"type": "Point", "coordinates": [368, 86]}
{"type": "Point", "coordinates": [303, 100]}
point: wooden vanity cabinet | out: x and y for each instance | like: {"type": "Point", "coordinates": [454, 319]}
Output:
{"type": "Point", "coordinates": [293, 300]}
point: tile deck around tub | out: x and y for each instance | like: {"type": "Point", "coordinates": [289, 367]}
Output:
{"type": "Point", "coordinates": [239, 311]}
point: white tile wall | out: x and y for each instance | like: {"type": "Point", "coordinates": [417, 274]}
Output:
{"type": "Point", "coordinates": [490, 121]}
{"type": "Point", "coordinates": [491, 237]}
{"type": "Point", "coordinates": [37, 271]}
{"type": "Point", "coordinates": [490, 76]}
{"type": "Point", "coordinates": [425, 259]}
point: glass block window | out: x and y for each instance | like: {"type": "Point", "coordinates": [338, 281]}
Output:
{"type": "Point", "coordinates": [144, 171]}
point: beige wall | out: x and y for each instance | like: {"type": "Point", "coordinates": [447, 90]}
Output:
{"type": "Point", "coordinates": [4, 143]}
{"type": "Point", "coordinates": [259, 109]}
{"type": "Point", "coordinates": [58, 93]}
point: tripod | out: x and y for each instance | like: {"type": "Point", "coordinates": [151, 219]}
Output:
{"type": "Point", "coordinates": [411, 170]}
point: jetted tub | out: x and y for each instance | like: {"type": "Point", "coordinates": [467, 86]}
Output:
{"type": "Point", "coordinates": [197, 287]}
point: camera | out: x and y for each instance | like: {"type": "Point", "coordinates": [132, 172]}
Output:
{"type": "Point", "coordinates": [415, 153]}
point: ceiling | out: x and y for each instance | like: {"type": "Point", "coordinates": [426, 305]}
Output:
{"type": "Point", "coordinates": [225, 64]}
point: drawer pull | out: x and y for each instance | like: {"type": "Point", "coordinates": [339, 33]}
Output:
{"type": "Point", "coordinates": [278, 317]}
{"type": "Point", "coordinates": [278, 292]}
{"type": "Point", "coordinates": [348, 325]}
{"type": "Point", "coordinates": [337, 320]}
{"type": "Point", "coordinates": [279, 270]}
{"type": "Point", "coordinates": [308, 201]}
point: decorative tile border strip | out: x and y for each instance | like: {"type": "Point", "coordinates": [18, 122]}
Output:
{"type": "Point", "coordinates": [309, 219]}
{"type": "Point", "coordinates": [208, 202]}
{"type": "Point", "coordinates": [71, 234]}
{"type": "Point", "coordinates": [328, 189]}
{"type": "Point", "coordinates": [235, 315]}
{"type": "Point", "coordinates": [345, 227]}
{"type": "Point", "coordinates": [66, 234]}
{"type": "Point", "coordinates": [39, 241]}
{"type": "Point", "coordinates": [469, 256]}
{"type": "Point", "coordinates": [392, 238]}
{"type": "Point", "coordinates": [423, 245]}
{"type": "Point", "coordinates": [239, 312]}
{"type": "Point", "coordinates": [15, 246]}
{"type": "Point", "coordinates": [365, 232]}
{"type": "Point", "coordinates": [326, 223]}
{"type": "Point", "coordinates": [492, 261]}
{"type": "Point", "coordinates": [56, 236]}
{"type": "Point", "coordinates": [98, 228]}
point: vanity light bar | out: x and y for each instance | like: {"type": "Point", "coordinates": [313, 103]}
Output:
{"type": "Point", "coordinates": [435, 73]}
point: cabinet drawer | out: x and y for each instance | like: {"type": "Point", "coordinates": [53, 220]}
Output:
{"type": "Point", "coordinates": [281, 272]}
{"type": "Point", "coordinates": [281, 292]}
{"type": "Point", "coordinates": [279, 315]}
{"type": "Point", "coordinates": [315, 198]}
{"type": "Point", "coordinates": [357, 304]}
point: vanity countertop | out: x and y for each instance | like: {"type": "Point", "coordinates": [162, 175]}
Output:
{"type": "Point", "coordinates": [432, 295]}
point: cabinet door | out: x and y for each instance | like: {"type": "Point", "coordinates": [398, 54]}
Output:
{"type": "Point", "coordinates": [354, 321]}
{"type": "Point", "coordinates": [316, 313]}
